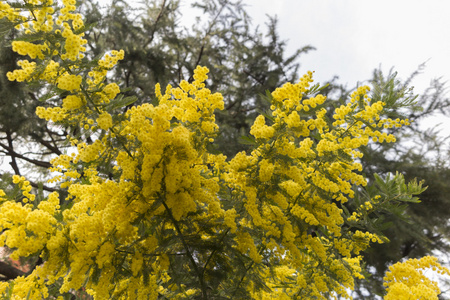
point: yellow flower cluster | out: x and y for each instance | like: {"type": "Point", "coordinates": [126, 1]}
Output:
{"type": "Point", "coordinates": [166, 161]}
{"type": "Point", "coordinates": [38, 20]}
{"type": "Point", "coordinates": [407, 280]}
{"type": "Point", "coordinates": [30, 49]}
{"type": "Point", "coordinates": [30, 287]}
{"type": "Point", "coordinates": [26, 188]}
{"type": "Point", "coordinates": [27, 230]}
{"type": "Point", "coordinates": [24, 73]}
{"type": "Point", "coordinates": [39, 16]}
{"type": "Point", "coordinates": [75, 102]}
{"type": "Point", "coordinates": [363, 209]}
{"type": "Point", "coordinates": [105, 121]}
{"type": "Point", "coordinates": [13, 14]}
{"type": "Point", "coordinates": [170, 159]}
{"type": "Point", "coordinates": [55, 114]}
{"type": "Point", "coordinates": [260, 130]}
{"type": "Point", "coordinates": [72, 102]}
{"type": "Point", "coordinates": [265, 170]}
{"type": "Point", "coordinates": [246, 243]}
{"type": "Point", "coordinates": [363, 239]}
{"type": "Point", "coordinates": [308, 173]}
{"type": "Point", "coordinates": [2, 195]}
{"type": "Point", "coordinates": [357, 131]}
{"type": "Point", "coordinates": [98, 74]}
{"type": "Point", "coordinates": [69, 82]}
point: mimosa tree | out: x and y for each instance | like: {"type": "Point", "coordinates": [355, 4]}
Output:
{"type": "Point", "coordinates": [149, 210]}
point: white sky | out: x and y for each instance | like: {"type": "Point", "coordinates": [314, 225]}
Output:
{"type": "Point", "coordinates": [354, 37]}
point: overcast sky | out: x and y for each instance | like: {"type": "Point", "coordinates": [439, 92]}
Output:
{"type": "Point", "coordinates": [354, 37]}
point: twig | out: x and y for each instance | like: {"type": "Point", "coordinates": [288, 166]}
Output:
{"type": "Point", "coordinates": [9, 271]}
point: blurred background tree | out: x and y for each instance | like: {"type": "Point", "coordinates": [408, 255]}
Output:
{"type": "Point", "coordinates": [419, 228]}
{"type": "Point", "coordinates": [245, 61]}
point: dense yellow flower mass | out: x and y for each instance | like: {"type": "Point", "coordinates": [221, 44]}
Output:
{"type": "Point", "coordinates": [167, 204]}
{"type": "Point", "coordinates": [407, 280]}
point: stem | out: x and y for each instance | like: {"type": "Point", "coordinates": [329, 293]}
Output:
{"type": "Point", "coordinates": [9, 271]}
{"type": "Point", "coordinates": [242, 278]}
{"type": "Point", "coordinates": [11, 151]}
{"type": "Point", "coordinates": [261, 249]}
{"type": "Point", "coordinates": [86, 93]}
{"type": "Point", "coordinates": [188, 252]}
{"type": "Point", "coordinates": [208, 32]}
{"type": "Point", "coordinates": [214, 251]}
{"type": "Point", "coordinates": [163, 6]}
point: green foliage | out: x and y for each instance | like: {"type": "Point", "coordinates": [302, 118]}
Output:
{"type": "Point", "coordinates": [419, 155]}
{"type": "Point", "coordinates": [244, 64]}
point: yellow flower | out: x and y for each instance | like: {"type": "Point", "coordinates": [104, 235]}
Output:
{"type": "Point", "coordinates": [407, 280]}
{"type": "Point", "coordinates": [105, 121]}
{"type": "Point", "coordinates": [261, 131]}
{"type": "Point", "coordinates": [69, 82]}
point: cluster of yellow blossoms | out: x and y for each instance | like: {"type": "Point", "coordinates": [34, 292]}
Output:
{"type": "Point", "coordinates": [293, 181]}
{"type": "Point", "coordinates": [166, 198]}
{"type": "Point", "coordinates": [407, 280]}
{"type": "Point", "coordinates": [20, 219]}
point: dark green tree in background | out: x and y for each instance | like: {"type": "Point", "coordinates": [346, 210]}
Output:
{"type": "Point", "coordinates": [18, 122]}
{"type": "Point", "coordinates": [421, 227]}
{"type": "Point", "coordinates": [244, 61]}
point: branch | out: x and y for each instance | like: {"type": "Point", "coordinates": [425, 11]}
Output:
{"type": "Point", "coordinates": [14, 155]}
{"type": "Point", "coordinates": [13, 162]}
{"type": "Point", "coordinates": [186, 247]}
{"type": "Point", "coordinates": [245, 272]}
{"type": "Point", "coordinates": [188, 252]}
{"type": "Point", "coordinates": [46, 143]}
{"type": "Point", "coordinates": [9, 271]}
{"type": "Point", "coordinates": [46, 188]}
{"type": "Point", "coordinates": [156, 22]}
{"type": "Point", "coordinates": [208, 32]}
{"type": "Point", "coordinates": [214, 252]}
{"type": "Point", "coordinates": [242, 277]}
{"type": "Point", "coordinates": [254, 77]}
